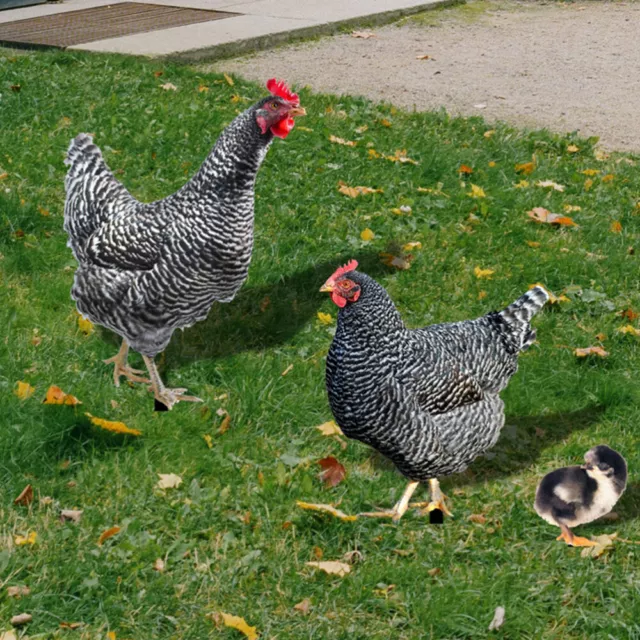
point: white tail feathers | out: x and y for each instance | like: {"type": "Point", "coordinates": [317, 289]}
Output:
{"type": "Point", "coordinates": [81, 145]}
{"type": "Point", "coordinates": [519, 313]}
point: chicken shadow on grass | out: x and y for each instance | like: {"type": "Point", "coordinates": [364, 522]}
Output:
{"type": "Point", "coordinates": [264, 315]}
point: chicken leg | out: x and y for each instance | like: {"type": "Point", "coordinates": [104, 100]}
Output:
{"type": "Point", "coordinates": [400, 507]}
{"type": "Point", "coordinates": [167, 396]}
{"type": "Point", "coordinates": [573, 540]}
{"type": "Point", "coordinates": [121, 368]}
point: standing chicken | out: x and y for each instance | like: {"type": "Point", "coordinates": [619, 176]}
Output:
{"type": "Point", "coordinates": [428, 399]}
{"type": "Point", "coordinates": [145, 270]}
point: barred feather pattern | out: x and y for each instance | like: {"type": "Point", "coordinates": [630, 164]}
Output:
{"type": "Point", "coordinates": [428, 398]}
{"type": "Point", "coordinates": [145, 270]}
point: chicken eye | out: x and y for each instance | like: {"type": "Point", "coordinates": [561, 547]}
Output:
{"type": "Point", "coordinates": [345, 284]}
{"type": "Point", "coordinates": [274, 105]}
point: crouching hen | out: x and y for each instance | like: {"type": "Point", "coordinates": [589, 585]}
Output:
{"type": "Point", "coordinates": [145, 270]}
{"type": "Point", "coordinates": [428, 399]}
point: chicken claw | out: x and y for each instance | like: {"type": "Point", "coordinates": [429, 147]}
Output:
{"type": "Point", "coordinates": [399, 509]}
{"type": "Point", "coordinates": [437, 499]}
{"type": "Point", "coordinates": [168, 397]}
{"type": "Point", "coordinates": [574, 541]}
{"type": "Point", "coordinates": [121, 368]}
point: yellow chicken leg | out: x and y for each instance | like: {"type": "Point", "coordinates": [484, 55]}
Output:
{"type": "Point", "coordinates": [400, 507]}
{"type": "Point", "coordinates": [573, 540]}
{"type": "Point", "coordinates": [437, 499]}
{"type": "Point", "coordinates": [121, 368]}
{"type": "Point", "coordinates": [167, 396]}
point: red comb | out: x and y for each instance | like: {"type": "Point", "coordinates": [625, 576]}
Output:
{"type": "Point", "coordinates": [279, 88]}
{"type": "Point", "coordinates": [352, 265]}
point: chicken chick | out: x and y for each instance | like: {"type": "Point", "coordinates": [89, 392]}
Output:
{"type": "Point", "coordinates": [572, 496]}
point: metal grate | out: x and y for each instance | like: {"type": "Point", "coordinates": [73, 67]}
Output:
{"type": "Point", "coordinates": [110, 21]}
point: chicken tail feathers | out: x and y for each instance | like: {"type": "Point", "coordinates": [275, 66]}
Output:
{"type": "Point", "coordinates": [519, 313]}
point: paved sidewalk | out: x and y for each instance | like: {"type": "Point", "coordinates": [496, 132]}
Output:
{"type": "Point", "coordinates": [262, 23]}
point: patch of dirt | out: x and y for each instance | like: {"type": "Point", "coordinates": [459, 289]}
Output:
{"type": "Point", "coordinates": [566, 67]}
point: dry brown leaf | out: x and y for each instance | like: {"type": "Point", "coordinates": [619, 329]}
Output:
{"type": "Point", "coordinates": [603, 543]}
{"type": "Point", "coordinates": [303, 606]}
{"type": "Point", "coordinates": [169, 86]}
{"type": "Point", "coordinates": [542, 215]}
{"type": "Point", "coordinates": [590, 351]}
{"type": "Point", "coordinates": [157, 74]}
{"type": "Point", "coordinates": [436, 571]}
{"type": "Point", "coordinates": [332, 567]}
{"type": "Point", "coordinates": [55, 395]}
{"type": "Point", "coordinates": [26, 496]}
{"type": "Point", "coordinates": [478, 518]}
{"type": "Point", "coordinates": [71, 515]}
{"type": "Point", "coordinates": [21, 619]}
{"type": "Point", "coordinates": [533, 244]}
{"type": "Point", "coordinates": [236, 622]}
{"type": "Point", "coordinates": [400, 156]}
{"type": "Point", "coordinates": [225, 424]}
{"type": "Point", "coordinates": [18, 591]}
{"type": "Point", "coordinates": [23, 390]}
{"type": "Point", "coordinates": [365, 35]}
{"type": "Point", "coordinates": [158, 565]}
{"type": "Point", "coordinates": [289, 369]}
{"type": "Point", "coordinates": [109, 533]}
{"type": "Point", "coordinates": [525, 168]}
{"type": "Point", "coordinates": [329, 429]}
{"type": "Point", "coordinates": [333, 473]}
{"type": "Point", "coordinates": [168, 481]}
{"type": "Point", "coordinates": [354, 192]}
{"type": "Point", "coordinates": [629, 314]}
{"type": "Point", "coordinates": [202, 88]}
{"type": "Point", "coordinates": [465, 169]}
{"type": "Point", "coordinates": [342, 141]}
{"type": "Point", "coordinates": [8, 635]}
{"type": "Point", "coordinates": [326, 508]}
{"type": "Point", "coordinates": [550, 184]}
{"type": "Point", "coordinates": [43, 212]}
{"type": "Point", "coordinates": [116, 427]}
{"type": "Point", "coordinates": [71, 625]}
{"type": "Point", "coordinates": [398, 262]}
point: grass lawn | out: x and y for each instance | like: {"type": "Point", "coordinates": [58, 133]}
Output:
{"type": "Point", "coordinates": [231, 537]}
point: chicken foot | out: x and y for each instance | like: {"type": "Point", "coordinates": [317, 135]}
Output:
{"type": "Point", "coordinates": [121, 368]}
{"type": "Point", "coordinates": [437, 499]}
{"type": "Point", "coordinates": [400, 507]}
{"type": "Point", "coordinates": [575, 541]}
{"type": "Point", "coordinates": [168, 397]}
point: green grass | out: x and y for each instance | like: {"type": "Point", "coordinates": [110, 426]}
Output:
{"type": "Point", "coordinates": [231, 535]}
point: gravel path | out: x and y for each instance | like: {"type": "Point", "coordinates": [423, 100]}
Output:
{"type": "Point", "coordinates": [565, 67]}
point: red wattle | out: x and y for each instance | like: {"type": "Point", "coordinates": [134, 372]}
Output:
{"type": "Point", "coordinates": [338, 299]}
{"type": "Point", "coordinates": [281, 129]}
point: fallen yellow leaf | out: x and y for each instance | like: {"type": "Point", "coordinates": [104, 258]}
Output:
{"type": "Point", "coordinates": [332, 567]}
{"type": "Point", "coordinates": [209, 440]}
{"type": "Point", "coordinates": [401, 156]}
{"type": "Point", "coordinates": [410, 246]}
{"type": "Point", "coordinates": [225, 424]}
{"type": "Point", "coordinates": [591, 172]}
{"type": "Point", "coordinates": [236, 622]}
{"type": "Point", "coordinates": [572, 148]}
{"type": "Point", "coordinates": [588, 183]}
{"type": "Point", "coordinates": [399, 262]}
{"type": "Point", "coordinates": [488, 134]}
{"type": "Point", "coordinates": [325, 318]}
{"type": "Point", "coordinates": [483, 273]}
{"type": "Point", "coordinates": [55, 395]}
{"type": "Point", "coordinates": [23, 390]}
{"type": "Point", "coordinates": [168, 481]}
{"type": "Point", "coordinates": [629, 329]}
{"type": "Point", "coordinates": [608, 178]}
{"type": "Point", "coordinates": [367, 235]}
{"type": "Point", "coordinates": [86, 326]}
{"type": "Point", "coordinates": [363, 34]}
{"type": "Point", "coordinates": [477, 192]}
{"type": "Point", "coordinates": [169, 86]}
{"type": "Point", "coordinates": [525, 167]}
{"type": "Point", "coordinates": [550, 184]}
{"type": "Point", "coordinates": [203, 88]}
{"type": "Point", "coordinates": [373, 154]}
{"type": "Point", "coordinates": [326, 508]}
{"type": "Point", "coordinates": [570, 208]}
{"type": "Point", "coordinates": [464, 168]}
{"type": "Point", "coordinates": [616, 226]}
{"type": "Point", "coordinates": [109, 533]}
{"type": "Point", "coordinates": [540, 214]}
{"type": "Point", "coordinates": [229, 79]}
{"type": "Point", "coordinates": [533, 244]}
{"type": "Point", "coordinates": [329, 429]}
{"type": "Point", "coordinates": [384, 122]}
{"type": "Point", "coordinates": [30, 538]}
{"type": "Point", "coordinates": [116, 427]}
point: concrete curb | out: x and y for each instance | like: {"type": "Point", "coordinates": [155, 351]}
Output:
{"type": "Point", "coordinates": [268, 41]}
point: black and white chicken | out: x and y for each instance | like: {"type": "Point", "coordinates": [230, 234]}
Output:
{"type": "Point", "coordinates": [428, 399]}
{"type": "Point", "coordinates": [145, 270]}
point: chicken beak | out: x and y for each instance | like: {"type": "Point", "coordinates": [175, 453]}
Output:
{"type": "Point", "coordinates": [327, 287]}
{"type": "Point", "coordinates": [297, 111]}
